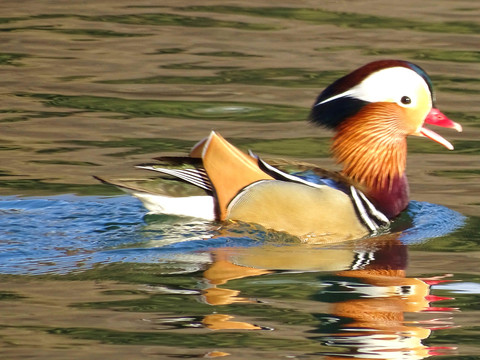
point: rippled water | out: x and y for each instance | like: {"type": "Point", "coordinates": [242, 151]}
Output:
{"type": "Point", "coordinates": [93, 88]}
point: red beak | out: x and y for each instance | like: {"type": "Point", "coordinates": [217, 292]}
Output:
{"type": "Point", "coordinates": [436, 117]}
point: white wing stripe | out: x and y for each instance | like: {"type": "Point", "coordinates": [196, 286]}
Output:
{"type": "Point", "coordinates": [196, 177]}
{"type": "Point", "coordinates": [288, 176]}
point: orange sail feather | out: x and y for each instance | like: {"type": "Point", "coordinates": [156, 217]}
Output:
{"type": "Point", "coordinates": [229, 169]}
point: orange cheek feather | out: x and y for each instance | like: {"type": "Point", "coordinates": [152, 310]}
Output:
{"type": "Point", "coordinates": [372, 144]}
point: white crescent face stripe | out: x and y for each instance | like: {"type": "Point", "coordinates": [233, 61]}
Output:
{"type": "Point", "coordinates": [387, 85]}
{"type": "Point", "coordinates": [348, 93]}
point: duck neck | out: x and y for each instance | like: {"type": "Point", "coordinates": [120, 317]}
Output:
{"type": "Point", "coordinates": [373, 153]}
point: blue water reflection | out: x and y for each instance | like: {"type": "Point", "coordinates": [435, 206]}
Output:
{"type": "Point", "coordinates": [67, 233]}
{"type": "Point", "coordinates": [430, 221]}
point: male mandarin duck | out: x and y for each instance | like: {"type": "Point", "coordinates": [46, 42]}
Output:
{"type": "Point", "coordinates": [372, 110]}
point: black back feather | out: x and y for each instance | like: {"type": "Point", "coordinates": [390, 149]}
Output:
{"type": "Point", "coordinates": [331, 113]}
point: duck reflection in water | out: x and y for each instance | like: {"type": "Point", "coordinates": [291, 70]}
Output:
{"type": "Point", "coordinates": [365, 284]}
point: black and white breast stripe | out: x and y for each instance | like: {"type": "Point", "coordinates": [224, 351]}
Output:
{"type": "Point", "coordinates": [367, 212]}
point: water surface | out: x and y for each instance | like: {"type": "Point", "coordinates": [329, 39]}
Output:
{"type": "Point", "coordinates": [93, 88]}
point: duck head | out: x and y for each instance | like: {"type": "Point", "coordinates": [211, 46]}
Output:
{"type": "Point", "coordinates": [373, 110]}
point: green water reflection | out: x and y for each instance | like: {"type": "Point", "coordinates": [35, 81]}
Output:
{"type": "Point", "coordinates": [458, 174]}
{"type": "Point", "coordinates": [226, 111]}
{"type": "Point", "coordinates": [345, 19]}
{"type": "Point", "coordinates": [140, 146]}
{"type": "Point", "coordinates": [234, 54]}
{"type": "Point", "coordinates": [216, 340]}
{"type": "Point", "coordinates": [164, 51]}
{"type": "Point", "coordinates": [9, 295]}
{"type": "Point", "coordinates": [430, 54]}
{"type": "Point", "coordinates": [282, 77]}
{"type": "Point", "coordinates": [471, 119]}
{"type": "Point", "coordinates": [231, 298]}
{"type": "Point", "coordinates": [46, 187]}
{"type": "Point", "coordinates": [29, 115]}
{"type": "Point", "coordinates": [464, 240]}
{"type": "Point", "coordinates": [417, 54]}
{"type": "Point", "coordinates": [164, 19]}
{"type": "Point", "coordinates": [64, 162]}
{"type": "Point", "coordinates": [285, 77]}
{"type": "Point", "coordinates": [83, 32]}
{"type": "Point", "coordinates": [157, 19]}
{"type": "Point", "coordinates": [11, 59]}
{"type": "Point", "coordinates": [296, 147]}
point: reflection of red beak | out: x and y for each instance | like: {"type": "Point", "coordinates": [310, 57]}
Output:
{"type": "Point", "coordinates": [436, 117]}
{"type": "Point", "coordinates": [440, 350]}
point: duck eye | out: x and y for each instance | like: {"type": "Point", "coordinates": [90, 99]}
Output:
{"type": "Point", "coordinates": [406, 100]}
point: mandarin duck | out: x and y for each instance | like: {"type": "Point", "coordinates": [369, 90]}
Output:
{"type": "Point", "coordinates": [371, 110]}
